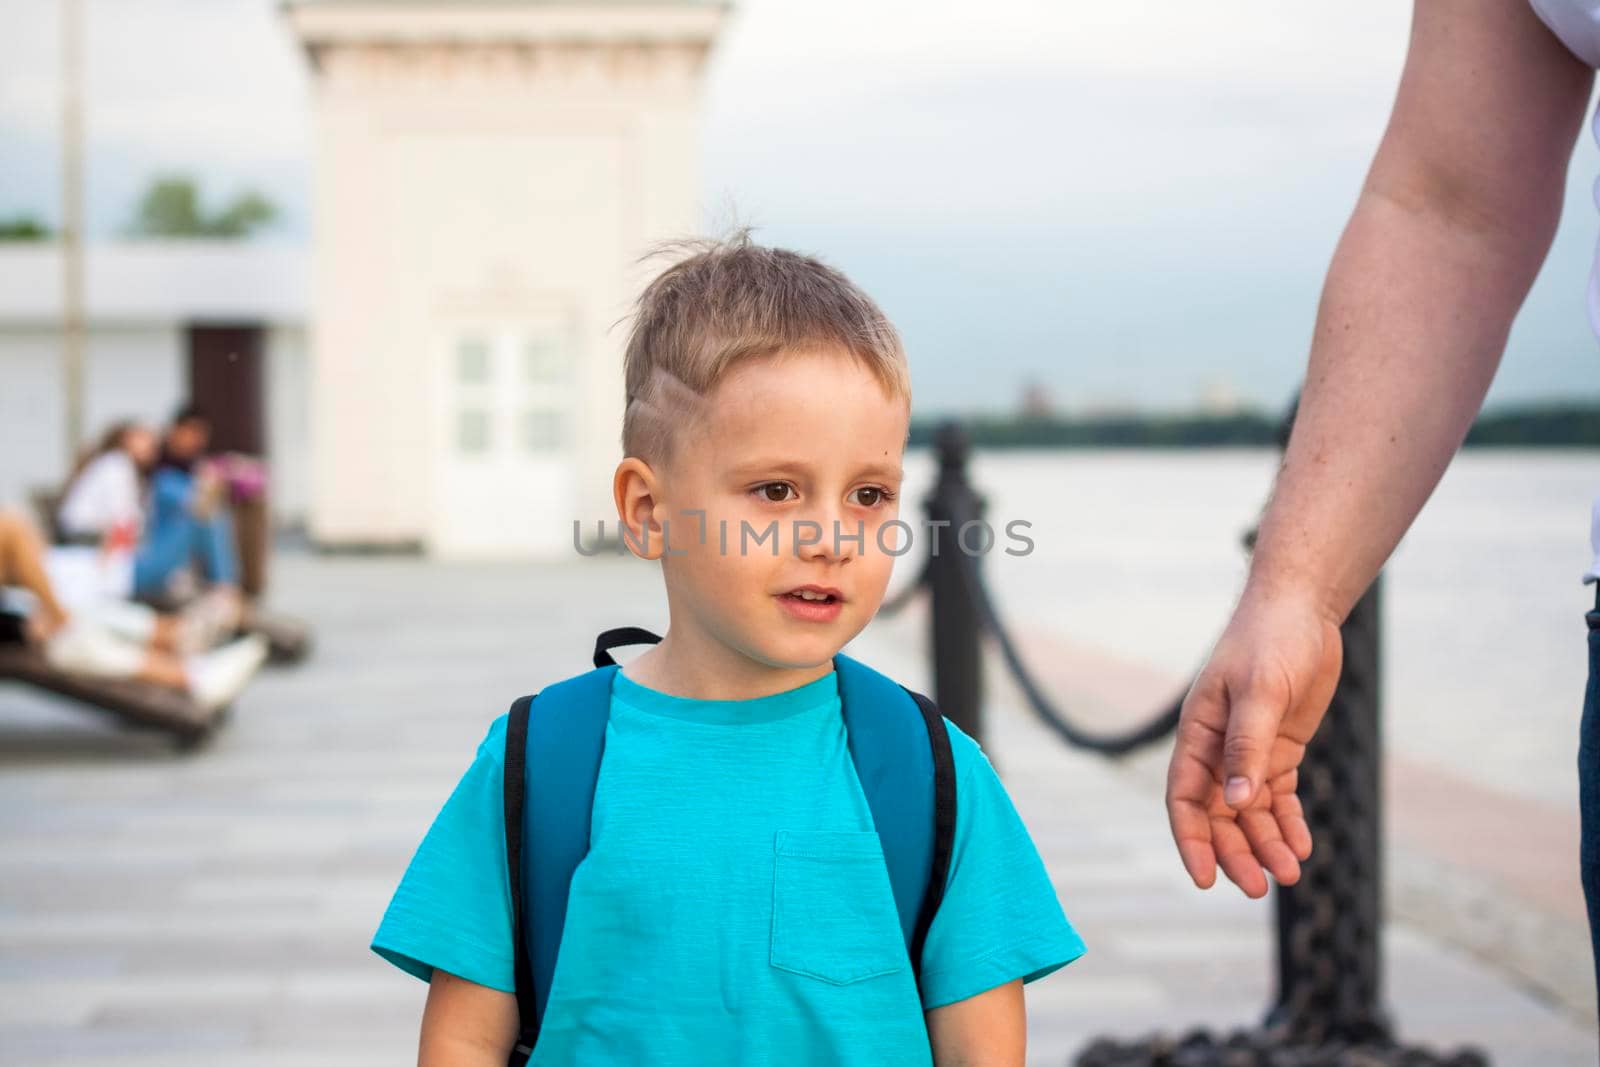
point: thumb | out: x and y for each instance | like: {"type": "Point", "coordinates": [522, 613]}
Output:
{"type": "Point", "coordinates": [1253, 721]}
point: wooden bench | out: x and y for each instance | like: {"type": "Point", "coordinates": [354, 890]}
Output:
{"type": "Point", "coordinates": [127, 699]}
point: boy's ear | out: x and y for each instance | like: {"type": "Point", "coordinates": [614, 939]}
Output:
{"type": "Point", "coordinates": [634, 488]}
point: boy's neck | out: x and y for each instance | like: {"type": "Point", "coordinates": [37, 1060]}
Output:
{"type": "Point", "coordinates": [703, 668]}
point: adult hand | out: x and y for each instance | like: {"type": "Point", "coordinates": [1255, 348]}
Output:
{"type": "Point", "coordinates": [1241, 737]}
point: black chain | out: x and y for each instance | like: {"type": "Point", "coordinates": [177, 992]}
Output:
{"type": "Point", "coordinates": [1119, 744]}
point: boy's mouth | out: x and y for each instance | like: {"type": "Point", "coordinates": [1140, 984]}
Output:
{"type": "Point", "coordinates": [816, 594]}
{"type": "Point", "coordinates": [812, 603]}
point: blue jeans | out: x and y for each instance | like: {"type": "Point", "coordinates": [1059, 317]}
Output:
{"type": "Point", "coordinates": [1589, 785]}
{"type": "Point", "coordinates": [174, 538]}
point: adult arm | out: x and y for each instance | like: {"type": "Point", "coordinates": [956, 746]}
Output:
{"type": "Point", "coordinates": [1456, 216]}
{"type": "Point", "coordinates": [987, 1030]}
{"type": "Point", "coordinates": [465, 1024]}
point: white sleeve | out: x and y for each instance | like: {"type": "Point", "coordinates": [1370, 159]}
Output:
{"type": "Point", "coordinates": [1575, 24]}
{"type": "Point", "coordinates": [105, 493]}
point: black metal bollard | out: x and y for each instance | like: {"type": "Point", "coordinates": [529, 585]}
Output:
{"type": "Point", "coordinates": [955, 633]}
{"type": "Point", "coordinates": [1330, 924]}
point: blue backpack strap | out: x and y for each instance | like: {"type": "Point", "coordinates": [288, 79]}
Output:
{"type": "Point", "coordinates": [563, 744]}
{"type": "Point", "coordinates": [902, 755]}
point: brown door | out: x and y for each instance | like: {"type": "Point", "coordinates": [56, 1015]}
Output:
{"type": "Point", "coordinates": [226, 380]}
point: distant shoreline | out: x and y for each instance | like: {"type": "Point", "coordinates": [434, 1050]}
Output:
{"type": "Point", "coordinates": [1542, 426]}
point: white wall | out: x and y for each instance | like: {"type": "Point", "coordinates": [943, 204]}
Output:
{"type": "Point", "coordinates": [288, 399]}
{"type": "Point", "coordinates": [141, 372]}
{"type": "Point", "coordinates": [484, 171]}
{"type": "Point", "coordinates": [31, 450]}
{"type": "Point", "coordinates": [134, 372]}
{"type": "Point", "coordinates": [130, 371]}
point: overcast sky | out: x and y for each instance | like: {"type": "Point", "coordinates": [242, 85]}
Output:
{"type": "Point", "coordinates": [1131, 203]}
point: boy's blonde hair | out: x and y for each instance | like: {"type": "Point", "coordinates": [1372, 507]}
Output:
{"type": "Point", "coordinates": [728, 300]}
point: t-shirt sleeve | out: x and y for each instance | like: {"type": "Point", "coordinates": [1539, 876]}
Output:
{"type": "Point", "coordinates": [104, 493]}
{"type": "Point", "coordinates": [452, 908]}
{"type": "Point", "coordinates": [1000, 919]}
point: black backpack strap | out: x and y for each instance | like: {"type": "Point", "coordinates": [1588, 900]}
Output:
{"type": "Point", "coordinates": [622, 635]}
{"type": "Point", "coordinates": [516, 751]}
{"type": "Point", "coordinates": [944, 822]}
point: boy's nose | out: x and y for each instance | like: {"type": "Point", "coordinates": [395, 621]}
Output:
{"type": "Point", "coordinates": [829, 535]}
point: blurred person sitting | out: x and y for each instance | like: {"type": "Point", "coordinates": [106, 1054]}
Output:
{"type": "Point", "coordinates": [104, 495]}
{"type": "Point", "coordinates": [82, 630]}
{"type": "Point", "coordinates": [187, 521]}
{"type": "Point", "coordinates": [103, 508]}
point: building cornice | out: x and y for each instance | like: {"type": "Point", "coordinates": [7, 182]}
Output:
{"type": "Point", "coordinates": [321, 25]}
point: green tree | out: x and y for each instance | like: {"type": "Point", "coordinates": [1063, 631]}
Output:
{"type": "Point", "coordinates": [249, 211]}
{"type": "Point", "coordinates": [23, 228]}
{"type": "Point", "coordinates": [171, 207]}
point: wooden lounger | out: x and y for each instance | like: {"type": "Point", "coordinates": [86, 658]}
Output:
{"type": "Point", "coordinates": [288, 640]}
{"type": "Point", "coordinates": [132, 701]}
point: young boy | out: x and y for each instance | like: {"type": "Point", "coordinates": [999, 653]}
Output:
{"type": "Point", "coordinates": [734, 907]}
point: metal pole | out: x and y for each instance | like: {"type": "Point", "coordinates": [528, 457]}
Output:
{"type": "Point", "coordinates": [955, 632]}
{"type": "Point", "coordinates": [72, 327]}
{"type": "Point", "coordinates": [1330, 924]}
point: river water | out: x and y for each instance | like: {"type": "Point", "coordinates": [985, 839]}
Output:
{"type": "Point", "coordinates": [1137, 554]}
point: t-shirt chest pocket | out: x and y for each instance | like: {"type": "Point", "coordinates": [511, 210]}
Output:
{"type": "Point", "coordinates": [833, 911]}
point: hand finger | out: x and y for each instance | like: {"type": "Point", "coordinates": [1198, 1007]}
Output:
{"type": "Point", "coordinates": [1253, 720]}
{"type": "Point", "coordinates": [1285, 758]}
{"type": "Point", "coordinates": [1236, 857]}
{"type": "Point", "coordinates": [1291, 816]}
{"type": "Point", "coordinates": [1188, 789]}
{"type": "Point", "coordinates": [1199, 860]}
{"type": "Point", "coordinates": [1190, 784]}
{"type": "Point", "coordinates": [1266, 842]}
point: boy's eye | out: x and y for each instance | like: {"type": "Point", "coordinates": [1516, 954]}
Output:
{"type": "Point", "coordinates": [774, 492]}
{"type": "Point", "coordinates": [874, 495]}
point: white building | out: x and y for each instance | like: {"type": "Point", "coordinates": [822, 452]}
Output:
{"type": "Point", "coordinates": [222, 322]}
{"type": "Point", "coordinates": [443, 366]}
{"type": "Point", "coordinates": [487, 177]}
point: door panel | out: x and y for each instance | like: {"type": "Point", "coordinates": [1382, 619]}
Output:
{"type": "Point", "coordinates": [507, 463]}
{"type": "Point", "coordinates": [225, 379]}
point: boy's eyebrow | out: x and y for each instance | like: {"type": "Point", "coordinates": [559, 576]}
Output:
{"type": "Point", "coordinates": [882, 469]}
{"type": "Point", "coordinates": [767, 466]}
{"type": "Point", "coordinates": [893, 471]}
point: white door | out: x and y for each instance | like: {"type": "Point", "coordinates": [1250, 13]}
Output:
{"type": "Point", "coordinates": [505, 440]}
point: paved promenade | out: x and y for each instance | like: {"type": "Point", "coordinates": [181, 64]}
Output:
{"type": "Point", "coordinates": [214, 908]}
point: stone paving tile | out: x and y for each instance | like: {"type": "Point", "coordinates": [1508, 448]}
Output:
{"type": "Point", "coordinates": [171, 909]}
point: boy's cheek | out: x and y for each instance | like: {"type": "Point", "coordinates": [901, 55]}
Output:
{"type": "Point", "coordinates": [887, 538]}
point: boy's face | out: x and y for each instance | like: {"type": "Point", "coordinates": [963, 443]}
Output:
{"type": "Point", "coordinates": [796, 462]}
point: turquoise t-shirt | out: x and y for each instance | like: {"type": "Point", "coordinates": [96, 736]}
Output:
{"type": "Point", "coordinates": [734, 906]}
